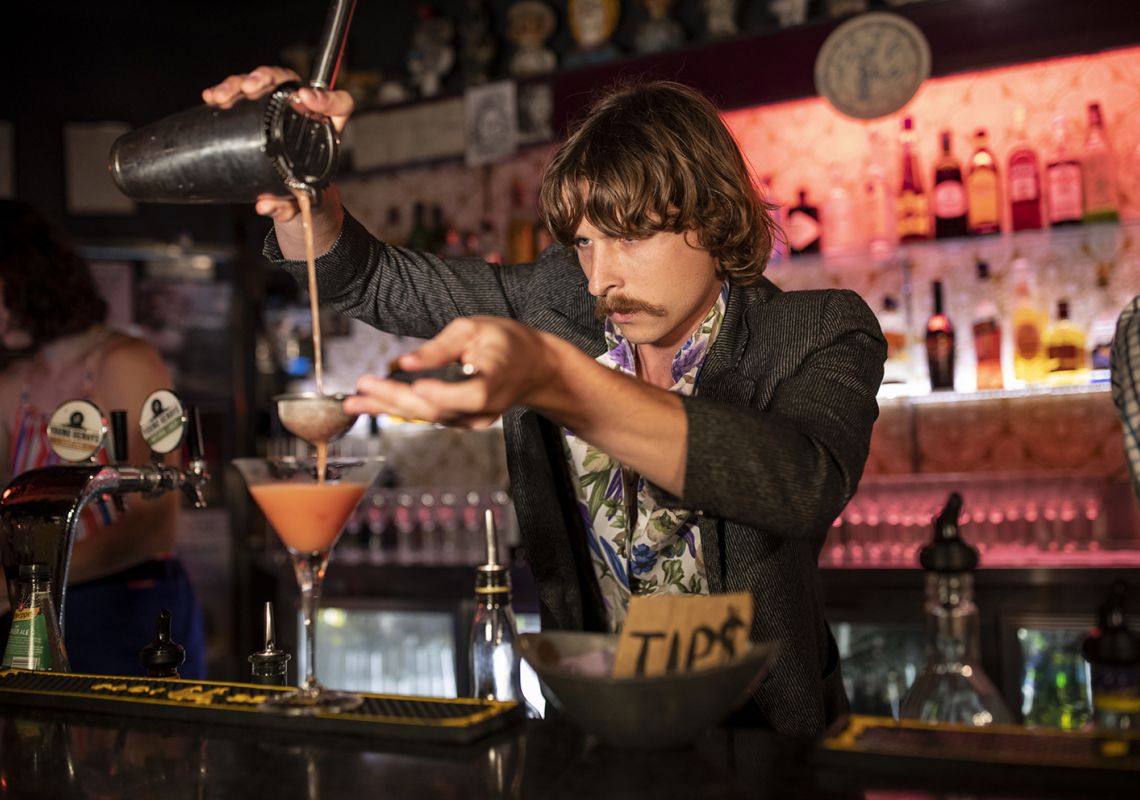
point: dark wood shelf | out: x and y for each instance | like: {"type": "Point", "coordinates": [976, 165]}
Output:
{"type": "Point", "coordinates": [964, 35]}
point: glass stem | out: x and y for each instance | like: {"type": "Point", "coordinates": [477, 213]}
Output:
{"type": "Point", "coordinates": [310, 571]}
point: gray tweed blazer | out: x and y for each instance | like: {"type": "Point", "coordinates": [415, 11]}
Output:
{"type": "Point", "coordinates": [779, 429]}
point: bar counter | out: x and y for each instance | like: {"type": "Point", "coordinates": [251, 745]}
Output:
{"type": "Point", "coordinates": [62, 754]}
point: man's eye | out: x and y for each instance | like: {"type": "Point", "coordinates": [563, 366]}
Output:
{"type": "Point", "coordinates": [581, 241]}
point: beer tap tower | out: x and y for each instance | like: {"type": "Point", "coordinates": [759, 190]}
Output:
{"type": "Point", "coordinates": [40, 508]}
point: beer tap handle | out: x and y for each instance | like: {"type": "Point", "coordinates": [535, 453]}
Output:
{"type": "Point", "coordinates": [196, 473]}
{"type": "Point", "coordinates": [119, 438]}
{"type": "Point", "coordinates": [119, 450]}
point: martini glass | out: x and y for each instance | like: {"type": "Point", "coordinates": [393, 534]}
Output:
{"type": "Point", "coordinates": [308, 515]}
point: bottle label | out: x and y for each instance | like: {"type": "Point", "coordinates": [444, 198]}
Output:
{"type": "Point", "coordinates": [913, 219]}
{"type": "Point", "coordinates": [987, 341]}
{"type": "Point", "coordinates": [984, 207]}
{"type": "Point", "coordinates": [28, 640]}
{"type": "Point", "coordinates": [802, 230]}
{"type": "Point", "coordinates": [896, 344]}
{"type": "Point", "coordinates": [949, 199]}
{"type": "Point", "coordinates": [1065, 357]}
{"type": "Point", "coordinates": [1100, 188]}
{"type": "Point", "coordinates": [1023, 183]}
{"type": "Point", "coordinates": [1027, 341]}
{"type": "Point", "coordinates": [1065, 201]}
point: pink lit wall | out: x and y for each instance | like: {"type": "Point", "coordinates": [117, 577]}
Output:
{"type": "Point", "coordinates": [797, 142]}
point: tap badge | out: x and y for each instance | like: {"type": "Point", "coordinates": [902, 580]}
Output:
{"type": "Point", "coordinates": [76, 430]}
{"type": "Point", "coordinates": [163, 421]}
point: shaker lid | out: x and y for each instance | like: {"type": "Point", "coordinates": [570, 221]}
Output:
{"type": "Point", "coordinates": [1111, 642]}
{"type": "Point", "coordinates": [948, 552]}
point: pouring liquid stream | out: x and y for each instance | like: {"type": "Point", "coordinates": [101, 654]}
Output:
{"type": "Point", "coordinates": [304, 202]}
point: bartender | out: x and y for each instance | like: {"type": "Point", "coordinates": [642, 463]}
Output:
{"type": "Point", "coordinates": [55, 348]}
{"type": "Point", "coordinates": [674, 422]}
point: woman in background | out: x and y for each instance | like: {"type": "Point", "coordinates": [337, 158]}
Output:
{"type": "Point", "coordinates": [56, 348]}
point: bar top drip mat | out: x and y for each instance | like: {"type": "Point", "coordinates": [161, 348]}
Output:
{"type": "Point", "coordinates": [458, 720]}
{"type": "Point", "coordinates": [1008, 745]}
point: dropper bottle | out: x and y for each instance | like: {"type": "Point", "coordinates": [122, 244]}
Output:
{"type": "Point", "coordinates": [952, 686]}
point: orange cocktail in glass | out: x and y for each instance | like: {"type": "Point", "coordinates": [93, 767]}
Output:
{"type": "Point", "coordinates": [308, 509]}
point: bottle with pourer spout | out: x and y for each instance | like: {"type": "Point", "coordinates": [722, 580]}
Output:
{"type": "Point", "coordinates": [494, 656]}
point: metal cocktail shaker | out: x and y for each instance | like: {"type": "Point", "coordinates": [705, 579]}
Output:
{"type": "Point", "coordinates": [214, 155]}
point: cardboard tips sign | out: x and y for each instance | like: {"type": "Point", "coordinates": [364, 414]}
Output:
{"type": "Point", "coordinates": [668, 634]}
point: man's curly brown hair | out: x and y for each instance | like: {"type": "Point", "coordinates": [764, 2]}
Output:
{"type": "Point", "coordinates": [46, 287]}
{"type": "Point", "coordinates": [656, 156]}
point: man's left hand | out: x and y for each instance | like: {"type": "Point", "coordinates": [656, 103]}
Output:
{"type": "Point", "coordinates": [510, 362]}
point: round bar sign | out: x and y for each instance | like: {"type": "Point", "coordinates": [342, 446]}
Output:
{"type": "Point", "coordinates": [162, 421]}
{"type": "Point", "coordinates": [76, 430]}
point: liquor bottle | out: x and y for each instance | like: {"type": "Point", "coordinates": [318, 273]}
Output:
{"type": "Point", "coordinates": [1066, 349]}
{"type": "Point", "coordinates": [879, 200]}
{"type": "Point", "coordinates": [494, 658]}
{"type": "Point", "coordinates": [1113, 653]}
{"type": "Point", "coordinates": [34, 640]}
{"type": "Point", "coordinates": [1099, 171]}
{"type": "Point", "coordinates": [840, 235]}
{"type": "Point", "coordinates": [520, 230]}
{"type": "Point", "coordinates": [897, 370]}
{"type": "Point", "coordinates": [1024, 179]}
{"type": "Point", "coordinates": [949, 194]}
{"type": "Point", "coordinates": [803, 227]}
{"type": "Point", "coordinates": [1103, 328]}
{"type": "Point", "coordinates": [952, 687]}
{"type": "Point", "coordinates": [1066, 192]}
{"type": "Point", "coordinates": [983, 189]}
{"type": "Point", "coordinates": [437, 231]}
{"type": "Point", "coordinates": [163, 656]}
{"type": "Point", "coordinates": [913, 206]}
{"type": "Point", "coordinates": [393, 230]}
{"type": "Point", "coordinates": [987, 333]}
{"type": "Point", "coordinates": [1029, 320]}
{"type": "Point", "coordinates": [940, 345]}
{"type": "Point", "coordinates": [419, 237]}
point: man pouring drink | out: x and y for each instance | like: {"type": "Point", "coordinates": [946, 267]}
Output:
{"type": "Point", "coordinates": [674, 422]}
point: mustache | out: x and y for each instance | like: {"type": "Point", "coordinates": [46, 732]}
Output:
{"type": "Point", "coordinates": [620, 304]}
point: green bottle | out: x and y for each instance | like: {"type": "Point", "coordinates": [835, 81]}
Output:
{"type": "Point", "coordinates": [35, 641]}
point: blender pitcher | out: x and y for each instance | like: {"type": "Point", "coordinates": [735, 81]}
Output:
{"type": "Point", "coordinates": [215, 155]}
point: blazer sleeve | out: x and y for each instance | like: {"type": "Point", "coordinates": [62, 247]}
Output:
{"type": "Point", "coordinates": [404, 291]}
{"type": "Point", "coordinates": [792, 467]}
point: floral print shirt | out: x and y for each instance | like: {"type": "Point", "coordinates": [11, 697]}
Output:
{"type": "Point", "coordinates": [661, 552]}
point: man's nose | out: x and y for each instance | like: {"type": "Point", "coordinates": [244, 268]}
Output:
{"type": "Point", "coordinates": [603, 273]}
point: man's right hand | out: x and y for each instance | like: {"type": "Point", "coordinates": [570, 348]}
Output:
{"type": "Point", "coordinates": [336, 105]}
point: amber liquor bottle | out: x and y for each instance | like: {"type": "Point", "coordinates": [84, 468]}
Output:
{"type": "Point", "coordinates": [983, 190]}
{"type": "Point", "coordinates": [913, 204]}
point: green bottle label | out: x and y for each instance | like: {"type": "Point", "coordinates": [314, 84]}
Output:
{"type": "Point", "coordinates": [28, 641]}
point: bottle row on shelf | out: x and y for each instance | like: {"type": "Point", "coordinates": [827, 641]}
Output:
{"type": "Point", "coordinates": [1001, 345]}
{"type": "Point", "coordinates": [980, 196]}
